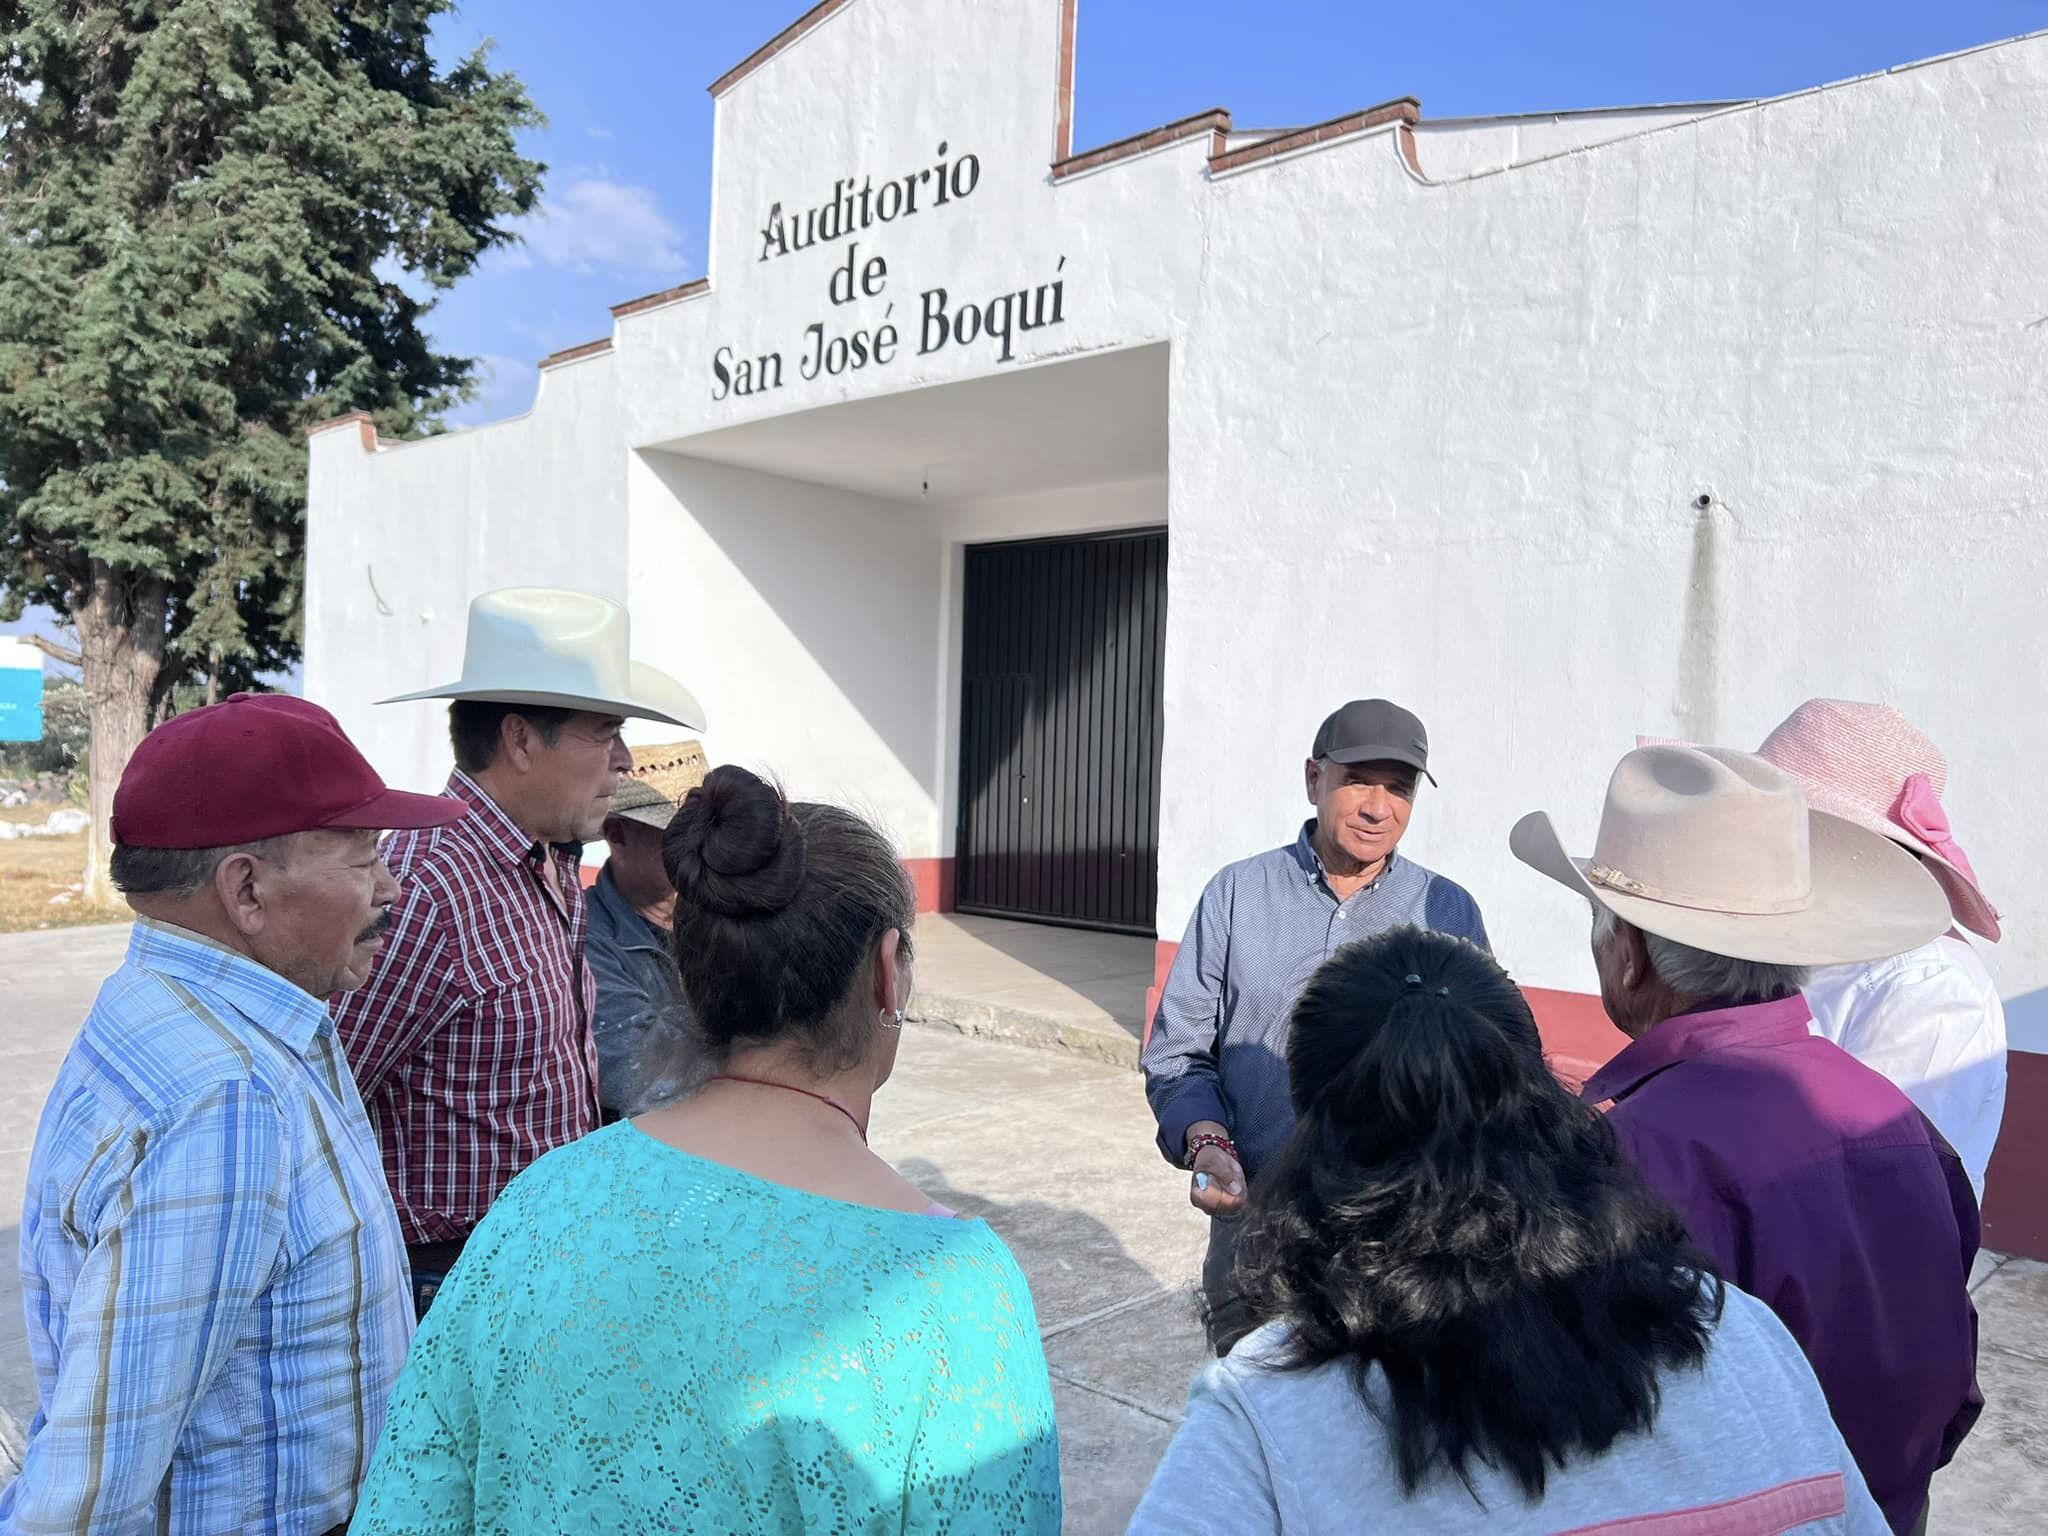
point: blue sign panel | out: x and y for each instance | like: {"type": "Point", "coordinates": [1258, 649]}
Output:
{"type": "Point", "coordinates": [21, 704]}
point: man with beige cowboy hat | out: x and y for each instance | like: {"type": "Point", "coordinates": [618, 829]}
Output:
{"type": "Point", "coordinates": [472, 1040]}
{"type": "Point", "coordinates": [1928, 1019]}
{"type": "Point", "coordinates": [1811, 1181]}
{"type": "Point", "coordinates": [646, 1054]}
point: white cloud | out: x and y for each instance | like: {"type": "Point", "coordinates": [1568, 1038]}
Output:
{"type": "Point", "coordinates": [506, 387]}
{"type": "Point", "coordinates": [389, 269]}
{"type": "Point", "coordinates": [599, 133]}
{"type": "Point", "coordinates": [596, 225]}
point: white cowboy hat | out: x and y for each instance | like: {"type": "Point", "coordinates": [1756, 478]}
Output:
{"type": "Point", "coordinates": [1719, 851]}
{"type": "Point", "coordinates": [568, 650]}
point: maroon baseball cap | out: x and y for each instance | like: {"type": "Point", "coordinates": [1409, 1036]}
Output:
{"type": "Point", "coordinates": [257, 765]}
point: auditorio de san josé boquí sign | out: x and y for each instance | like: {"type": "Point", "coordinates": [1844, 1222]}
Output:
{"type": "Point", "coordinates": [838, 344]}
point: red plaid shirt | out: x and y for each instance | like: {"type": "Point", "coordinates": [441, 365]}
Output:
{"type": "Point", "coordinates": [471, 1041]}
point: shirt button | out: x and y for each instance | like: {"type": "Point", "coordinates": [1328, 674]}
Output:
{"type": "Point", "coordinates": [1342, 914]}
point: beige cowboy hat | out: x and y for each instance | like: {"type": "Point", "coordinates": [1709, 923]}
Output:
{"type": "Point", "coordinates": [563, 649]}
{"type": "Point", "coordinates": [1719, 851]}
{"type": "Point", "coordinates": [653, 790]}
{"type": "Point", "coordinates": [1869, 764]}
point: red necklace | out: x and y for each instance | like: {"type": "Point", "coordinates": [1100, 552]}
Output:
{"type": "Point", "coordinates": [762, 1082]}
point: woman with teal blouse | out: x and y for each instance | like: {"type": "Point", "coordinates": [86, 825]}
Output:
{"type": "Point", "coordinates": [729, 1315]}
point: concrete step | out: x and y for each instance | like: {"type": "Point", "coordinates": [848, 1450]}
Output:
{"type": "Point", "coordinates": [1057, 988]}
{"type": "Point", "coordinates": [1093, 1040]}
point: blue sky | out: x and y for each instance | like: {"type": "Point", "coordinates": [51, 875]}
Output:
{"type": "Point", "coordinates": [628, 141]}
{"type": "Point", "coordinates": [629, 136]}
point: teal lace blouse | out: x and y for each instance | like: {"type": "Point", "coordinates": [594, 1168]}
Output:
{"type": "Point", "coordinates": [640, 1340]}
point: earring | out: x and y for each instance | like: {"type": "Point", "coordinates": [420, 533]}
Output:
{"type": "Point", "coordinates": [892, 1018]}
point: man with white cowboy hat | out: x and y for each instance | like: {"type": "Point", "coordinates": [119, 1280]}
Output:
{"type": "Point", "coordinates": [646, 1049]}
{"type": "Point", "coordinates": [1810, 1180]}
{"type": "Point", "coordinates": [472, 1041]}
{"type": "Point", "coordinates": [1928, 1019]}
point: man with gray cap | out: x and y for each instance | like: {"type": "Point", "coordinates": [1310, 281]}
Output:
{"type": "Point", "coordinates": [1216, 1062]}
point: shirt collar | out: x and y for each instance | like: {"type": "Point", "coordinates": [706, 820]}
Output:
{"type": "Point", "coordinates": [267, 1000]}
{"type": "Point", "coordinates": [633, 930]}
{"type": "Point", "coordinates": [1311, 862]}
{"type": "Point", "coordinates": [491, 823]}
{"type": "Point", "coordinates": [1715, 1027]}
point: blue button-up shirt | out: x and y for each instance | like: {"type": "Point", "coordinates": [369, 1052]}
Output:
{"type": "Point", "coordinates": [648, 1054]}
{"type": "Point", "coordinates": [1264, 926]}
{"type": "Point", "coordinates": [211, 1267]}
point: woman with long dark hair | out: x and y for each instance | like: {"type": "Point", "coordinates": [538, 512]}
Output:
{"type": "Point", "coordinates": [729, 1314]}
{"type": "Point", "coordinates": [1467, 1312]}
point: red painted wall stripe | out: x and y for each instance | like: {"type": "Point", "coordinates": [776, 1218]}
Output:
{"type": "Point", "coordinates": [1579, 1041]}
{"type": "Point", "coordinates": [2016, 1183]}
{"type": "Point", "coordinates": [932, 879]}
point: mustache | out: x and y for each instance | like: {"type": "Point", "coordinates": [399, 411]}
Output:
{"type": "Point", "coordinates": [376, 930]}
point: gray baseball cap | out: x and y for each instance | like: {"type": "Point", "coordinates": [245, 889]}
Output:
{"type": "Point", "coordinates": [1374, 731]}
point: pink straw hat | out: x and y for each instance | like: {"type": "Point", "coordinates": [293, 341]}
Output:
{"type": "Point", "coordinates": [1869, 765]}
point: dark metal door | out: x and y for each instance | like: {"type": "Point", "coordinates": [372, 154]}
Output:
{"type": "Point", "coordinates": [1061, 675]}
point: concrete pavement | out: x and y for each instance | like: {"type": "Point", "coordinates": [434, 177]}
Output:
{"type": "Point", "coordinates": [1054, 1148]}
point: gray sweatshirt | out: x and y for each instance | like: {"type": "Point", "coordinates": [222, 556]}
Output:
{"type": "Point", "coordinates": [1742, 1445]}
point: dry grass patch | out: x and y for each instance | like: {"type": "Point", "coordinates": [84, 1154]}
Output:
{"type": "Point", "coordinates": [42, 879]}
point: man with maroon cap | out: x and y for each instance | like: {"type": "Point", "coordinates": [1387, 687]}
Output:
{"type": "Point", "coordinates": [212, 1272]}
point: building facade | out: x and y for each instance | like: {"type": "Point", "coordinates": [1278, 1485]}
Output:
{"type": "Point", "coordinates": [1042, 502]}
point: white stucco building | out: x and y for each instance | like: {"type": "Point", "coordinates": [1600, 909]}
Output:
{"type": "Point", "coordinates": [1555, 429]}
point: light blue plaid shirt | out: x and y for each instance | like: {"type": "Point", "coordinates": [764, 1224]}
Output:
{"type": "Point", "coordinates": [211, 1267]}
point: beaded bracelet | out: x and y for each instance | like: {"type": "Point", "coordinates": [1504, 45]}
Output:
{"type": "Point", "coordinates": [1211, 1139]}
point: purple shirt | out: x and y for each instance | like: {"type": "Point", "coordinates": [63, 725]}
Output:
{"type": "Point", "coordinates": [1816, 1186]}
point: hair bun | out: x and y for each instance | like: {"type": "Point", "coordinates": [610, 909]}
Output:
{"type": "Point", "coordinates": [733, 848]}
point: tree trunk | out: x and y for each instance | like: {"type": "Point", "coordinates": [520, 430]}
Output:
{"type": "Point", "coordinates": [122, 627]}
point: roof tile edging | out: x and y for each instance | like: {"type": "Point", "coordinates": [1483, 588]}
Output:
{"type": "Point", "coordinates": [576, 354]}
{"type": "Point", "coordinates": [824, 10]}
{"type": "Point", "coordinates": [695, 288]}
{"type": "Point", "coordinates": [816, 16]}
{"type": "Point", "coordinates": [1063, 87]}
{"type": "Point", "coordinates": [1214, 122]}
{"type": "Point", "coordinates": [365, 426]}
{"type": "Point", "coordinates": [1402, 109]}
{"type": "Point", "coordinates": [1716, 111]}
{"type": "Point", "coordinates": [1409, 153]}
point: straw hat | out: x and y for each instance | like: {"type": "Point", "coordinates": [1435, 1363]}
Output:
{"type": "Point", "coordinates": [1718, 850]}
{"type": "Point", "coordinates": [1869, 764]}
{"type": "Point", "coordinates": [568, 650]}
{"type": "Point", "coordinates": [660, 777]}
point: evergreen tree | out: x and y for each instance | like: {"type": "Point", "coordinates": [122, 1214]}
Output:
{"type": "Point", "coordinates": [204, 209]}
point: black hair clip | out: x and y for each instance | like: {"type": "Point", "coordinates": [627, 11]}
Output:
{"type": "Point", "coordinates": [1414, 980]}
